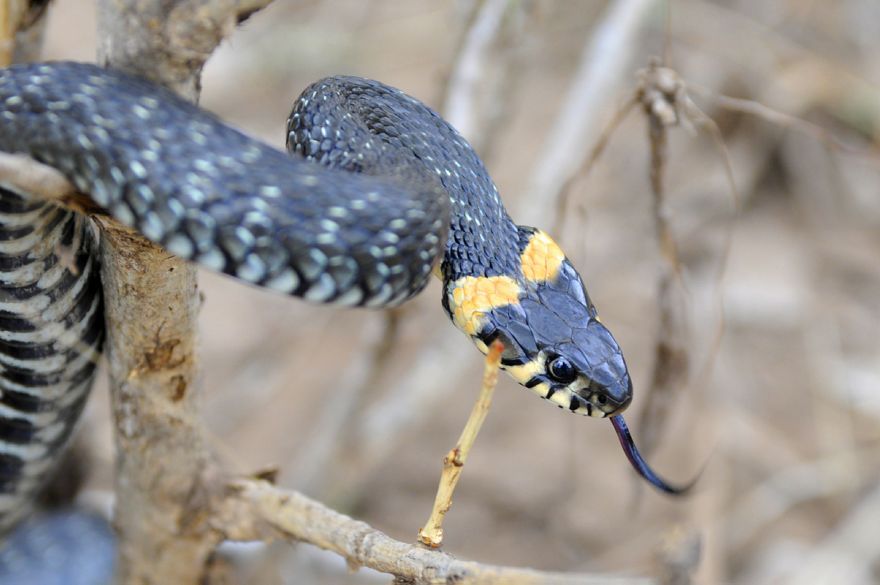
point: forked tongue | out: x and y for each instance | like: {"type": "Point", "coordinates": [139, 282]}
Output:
{"type": "Point", "coordinates": [640, 465]}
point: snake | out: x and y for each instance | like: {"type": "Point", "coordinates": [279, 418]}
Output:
{"type": "Point", "coordinates": [376, 193]}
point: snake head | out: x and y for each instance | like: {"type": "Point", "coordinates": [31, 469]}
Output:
{"type": "Point", "coordinates": [556, 347]}
{"type": "Point", "coordinates": [554, 343]}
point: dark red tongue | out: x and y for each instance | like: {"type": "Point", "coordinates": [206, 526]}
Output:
{"type": "Point", "coordinates": [640, 465]}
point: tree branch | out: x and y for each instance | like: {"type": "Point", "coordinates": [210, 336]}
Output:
{"type": "Point", "coordinates": [603, 65]}
{"type": "Point", "coordinates": [23, 174]}
{"type": "Point", "coordinates": [151, 308]}
{"type": "Point", "coordinates": [255, 510]}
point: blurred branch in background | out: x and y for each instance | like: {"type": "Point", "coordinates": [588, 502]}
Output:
{"type": "Point", "coordinates": [604, 65]}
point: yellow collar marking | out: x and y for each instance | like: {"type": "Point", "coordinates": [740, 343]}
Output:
{"type": "Point", "coordinates": [541, 259]}
{"type": "Point", "coordinates": [474, 296]}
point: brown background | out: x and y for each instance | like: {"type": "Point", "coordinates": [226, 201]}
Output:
{"type": "Point", "coordinates": [785, 408]}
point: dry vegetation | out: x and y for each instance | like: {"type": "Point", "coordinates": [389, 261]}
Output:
{"type": "Point", "coordinates": [783, 393]}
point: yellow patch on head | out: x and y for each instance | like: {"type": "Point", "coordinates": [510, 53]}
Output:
{"type": "Point", "coordinates": [542, 258]}
{"type": "Point", "coordinates": [474, 296]}
{"type": "Point", "coordinates": [525, 372]}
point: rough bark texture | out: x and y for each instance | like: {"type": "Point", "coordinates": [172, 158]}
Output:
{"type": "Point", "coordinates": [167, 41]}
{"type": "Point", "coordinates": [152, 304]}
{"type": "Point", "coordinates": [256, 510]}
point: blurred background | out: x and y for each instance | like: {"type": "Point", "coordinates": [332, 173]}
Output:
{"type": "Point", "coordinates": [769, 374]}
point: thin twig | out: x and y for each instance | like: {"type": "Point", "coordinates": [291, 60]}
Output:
{"type": "Point", "coordinates": [598, 149]}
{"type": "Point", "coordinates": [431, 534]}
{"type": "Point", "coordinates": [788, 121]}
{"type": "Point", "coordinates": [660, 93]}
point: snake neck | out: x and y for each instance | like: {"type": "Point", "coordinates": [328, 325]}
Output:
{"type": "Point", "coordinates": [394, 136]}
{"type": "Point", "coordinates": [472, 298]}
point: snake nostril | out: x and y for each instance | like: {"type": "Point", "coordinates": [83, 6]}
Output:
{"type": "Point", "coordinates": [602, 399]}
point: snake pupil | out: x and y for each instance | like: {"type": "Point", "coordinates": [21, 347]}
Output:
{"type": "Point", "coordinates": [561, 370]}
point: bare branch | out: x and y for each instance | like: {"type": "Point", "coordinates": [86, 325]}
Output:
{"type": "Point", "coordinates": [467, 76]}
{"type": "Point", "coordinates": [453, 464]}
{"type": "Point", "coordinates": [604, 63]}
{"type": "Point", "coordinates": [785, 120]}
{"type": "Point", "coordinates": [23, 174]}
{"type": "Point", "coordinates": [173, 49]}
{"type": "Point", "coordinates": [255, 510]}
{"type": "Point", "coordinates": [151, 305]}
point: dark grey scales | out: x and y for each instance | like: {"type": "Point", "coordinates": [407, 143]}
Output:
{"type": "Point", "coordinates": [209, 193]}
{"type": "Point", "coordinates": [382, 190]}
{"type": "Point", "coordinates": [413, 138]}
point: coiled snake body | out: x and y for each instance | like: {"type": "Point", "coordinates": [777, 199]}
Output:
{"type": "Point", "coordinates": [380, 190]}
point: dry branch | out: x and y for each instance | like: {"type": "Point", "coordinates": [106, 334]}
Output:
{"type": "Point", "coordinates": [603, 66]}
{"type": "Point", "coordinates": [256, 510]}
{"type": "Point", "coordinates": [468, 78]}
{"type": "Point", "coordinates": [22, 174]}
{"type": "Point", "coordinates": [431, 534]}
{"type": "Point", "coordinates": [151, 308]}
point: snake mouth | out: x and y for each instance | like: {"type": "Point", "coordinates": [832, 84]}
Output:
{"type": "Point", "coordinates": [578, 404]}
{"type": "Point", "coordinates": [641, 466]}
{"type": "Point", "coordinates": [606, 406]}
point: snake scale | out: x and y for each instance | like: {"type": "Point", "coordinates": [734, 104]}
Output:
{"type": "Point", "coordinates": [379, 192]}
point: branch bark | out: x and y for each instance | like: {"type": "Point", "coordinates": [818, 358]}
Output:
{"type": "Point", "coordinates": [251, 510]}
{"type": "Point", "coordinates": [151, 309]}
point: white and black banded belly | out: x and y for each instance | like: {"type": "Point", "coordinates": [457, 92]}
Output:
{"type": "Point", "coordinates": [51, 329]}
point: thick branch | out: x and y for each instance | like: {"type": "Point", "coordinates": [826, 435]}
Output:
{"type": "Point", "coordinates": [168, 41]}
{"type": "Point", "coordinates": [151, 305]}
{"type": "Point", "coordinates": [468, 76]}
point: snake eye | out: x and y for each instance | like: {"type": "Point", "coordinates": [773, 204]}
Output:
{"type": "Point", "coordinates": [560, 369]}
